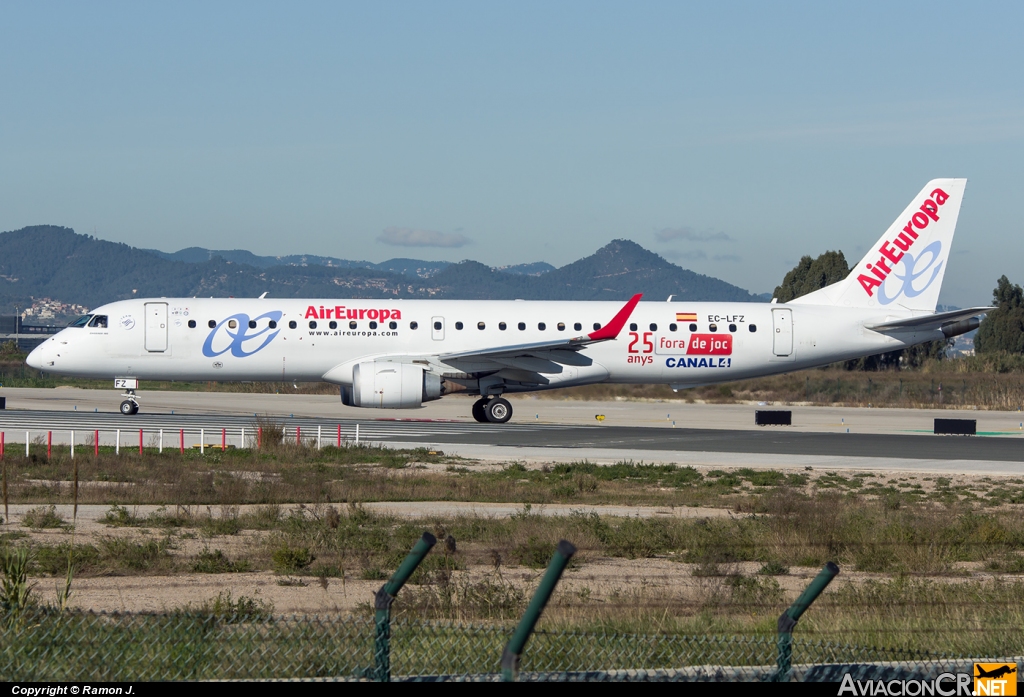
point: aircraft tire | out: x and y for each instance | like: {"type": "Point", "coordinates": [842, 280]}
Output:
{"type": "Point", "coordinates": [129, 408]}
{"type": "Point", "coordinates": [498, 410]}
{"type": "Point", "coordinates": [479, 413]}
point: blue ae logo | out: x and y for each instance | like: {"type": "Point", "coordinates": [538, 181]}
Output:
{"type": "Point", "coordinates": [235, 334]}
{"type": "Point", "coordinates": [913, 269]}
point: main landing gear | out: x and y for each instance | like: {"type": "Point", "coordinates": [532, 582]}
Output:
{"type": "Point", "coordinates": [493, 410]}
{"type": "Point", "coordinates": [130, 406]}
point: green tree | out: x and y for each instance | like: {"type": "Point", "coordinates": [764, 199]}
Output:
{"type": "Point", "coordinates": [810, 275]}
{"type": "Point", "coordinates": [9, 348]}
{"type": "Point", "coordinates": [1003, 328]}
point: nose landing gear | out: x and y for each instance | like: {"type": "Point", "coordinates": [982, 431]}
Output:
{"type": "Point", "coordinates": [495, 410]}
{"type": "Point", "coordinates": [130, 406]}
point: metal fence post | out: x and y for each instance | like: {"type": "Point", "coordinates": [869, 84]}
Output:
{"type": "Point", "coordinates": [514, 650]}
{"type": "Point", "coordinates": [789, 618]}
{"type": "Point", "coordinates": [382, 604]}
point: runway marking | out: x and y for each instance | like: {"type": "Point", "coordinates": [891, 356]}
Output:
{"type": "Point", "coordinates": [824, 444]}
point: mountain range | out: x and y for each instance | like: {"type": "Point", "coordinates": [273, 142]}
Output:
{"type": "Point", "coordinates": [47, 261]}
{"type": "Point", "coordinates": [405, 267]}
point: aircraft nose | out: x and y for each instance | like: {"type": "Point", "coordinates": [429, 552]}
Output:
{"type": "Point", "coordinates": [35, 358]}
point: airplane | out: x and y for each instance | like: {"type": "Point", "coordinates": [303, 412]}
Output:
{"type": "Point", "coordinates": [995, 672]}
{"type": "Point", "coordinates": [399, 354]}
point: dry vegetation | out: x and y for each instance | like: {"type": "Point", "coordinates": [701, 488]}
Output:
{"type": "Point", "coordinates": [928, 562]}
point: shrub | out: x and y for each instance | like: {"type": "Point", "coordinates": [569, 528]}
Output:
{"type": "Point", "coordinates": [216, 562]}
{"type": "Point", "coordinates": [773, 568]}
{"type": "Point", "coordinates": [226, 608]}
{"type": "Point", "coordinates": [290, 560]}
{"type": "Point", "coordinates": [212, 527]}
{"type": "Point", "coordinates": [120, 517]}
{"type": "Point", "coordinates": [135, 556]}
{"type": "Point", "coordinates": [53, 559]}
{"type": "Point", "coordinates": [43, 517]}
{"type": "Point", "coordinates": [15, 590]}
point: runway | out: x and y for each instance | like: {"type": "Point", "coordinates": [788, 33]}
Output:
{"type": "Point", "coordinates": [567, 438]}
{"type": "Point", "coordinates": [542, 431]}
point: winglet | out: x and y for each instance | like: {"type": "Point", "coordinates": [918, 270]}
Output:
{"type": "Point", "coordinates": [612, 329]}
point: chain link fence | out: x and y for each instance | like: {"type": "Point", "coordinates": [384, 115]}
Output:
{"type": "Point", "coordinates": [53, 646]}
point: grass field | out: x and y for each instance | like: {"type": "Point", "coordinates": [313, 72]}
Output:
{"type": "Point", "coordinates": [928, 562]}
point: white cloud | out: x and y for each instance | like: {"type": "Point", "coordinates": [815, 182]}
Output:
{"type": "Point", "coordinates": [411, 237]}
{"type": "Point", "coordinates": [687, 233]}
{"type": "Point", "coordinates": [695, 255]}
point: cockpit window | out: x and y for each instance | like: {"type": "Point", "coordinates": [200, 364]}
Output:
{"type": "Point", "coordinates": [81, 321]}
{"type": "Point", "coordinates": [99, 321]}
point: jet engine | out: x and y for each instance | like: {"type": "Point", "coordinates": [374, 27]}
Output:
{"type": "Point", "coordinates": [390, 385]}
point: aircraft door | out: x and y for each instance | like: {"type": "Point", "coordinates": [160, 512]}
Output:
{"type": "Point", "coordinates": [437, 328]}
{"type": "Point", "coordinates": [782, 319]}
{"type": "Point", "coordinates": [156, 327]}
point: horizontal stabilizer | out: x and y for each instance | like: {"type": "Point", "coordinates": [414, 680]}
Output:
{"type": "Point", "coordinates": [928, 322]}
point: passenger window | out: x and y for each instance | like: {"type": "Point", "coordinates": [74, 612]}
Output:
{"type": "Point", "coordinates": [480, 325]}
{"type": "Point", "coordinates": [712, 327]}
{"type": "Point", "coordinates": [654, 327]}
{"type": "Point", "coordinates": [352, 325]}
{"type": "Point", "coordinates": [211, 324]}
{"type": "Point", "coordinates": [458, 325]}
{"type": "Point", "coordinates": [693, 327]}
{"type": "Point", "coordinates": [561, 326]}
{"type": "Point", "coordinates": [753, 328]}
{"type": "Point", "coordinates": [99, 321]}
{"type": "Point", "coordinates": [502, 326]}
{"type": "Point", "coordinates": [437, 326]}
{"type": "Point", "coordinates": [414, 325]}
{"type": "Point", "coordinates": [541, 326]}
{"type": "Point", "coordinates": [191, 324]}
{"type": "Point", "coordinates": [578, 327]}
{"type": "Point", "coordinates": [273, 324]}
{"type": "Point", "coordinates": [597, 325]}
{"type": "Point", "coordinates": [672, 327]}
{"type": "Point", "coordinates": [522, 326]}
{"type": "Point", "coordinates": [312, 324]}
{"type": "Point", "coordinates": [373, 325]}
{"type": "Point", "coordinates": [252, 324]}
{"type": "Point", "coordinates": [393, 325]}
{"type": "Point", "coordinates": [293, 324]}
{"type": "Point", "coordinates": [232, 324]}
{"type": "Point", "coordinates": [732, 327]}
{"type": "Point", "coordinates": [632, 326]}
{"type": "Point", "coordinates": [332, 324]}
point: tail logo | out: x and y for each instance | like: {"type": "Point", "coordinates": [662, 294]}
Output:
{"type": "Point", "coordinates": [914, 269]}
{"type": "Point", "coordinates": [892, 252]}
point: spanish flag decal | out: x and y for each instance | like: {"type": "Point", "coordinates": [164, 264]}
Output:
{"type": "Point", "coordinates": [686, 317]}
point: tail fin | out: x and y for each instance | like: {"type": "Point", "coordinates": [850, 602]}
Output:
{"type": "Point", "coordinates": [904, 269]}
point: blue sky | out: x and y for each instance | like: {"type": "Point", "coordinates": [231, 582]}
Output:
{"type": "Point", "coordinates": [730, 137]}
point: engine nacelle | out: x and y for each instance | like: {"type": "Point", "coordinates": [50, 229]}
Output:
{"type": "Point", "coordinates": [390, 385]}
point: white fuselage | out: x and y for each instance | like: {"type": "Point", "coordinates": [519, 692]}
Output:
{"type": "Point", "coordinates": [682, 344]}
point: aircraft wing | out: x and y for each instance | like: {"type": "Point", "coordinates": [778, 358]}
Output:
{"type": "Point", "coordinates": [932, 321]}
{"type": "Point", "coordinates": [559, 350]}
